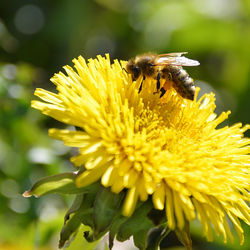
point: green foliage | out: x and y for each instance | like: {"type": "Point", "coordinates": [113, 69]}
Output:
{"type": "Point", "coordinates": [105, 210]}
{"type": "Point", "coordinates": [137, 226]}
{"type": "Point", "coordinates": [61, 183]}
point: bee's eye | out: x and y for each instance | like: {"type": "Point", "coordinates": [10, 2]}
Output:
{"type": "Point", "coordinates": [137, 70]}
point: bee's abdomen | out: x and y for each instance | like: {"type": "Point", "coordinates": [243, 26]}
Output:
{"type": "Point", "coordinates": [183, 83]}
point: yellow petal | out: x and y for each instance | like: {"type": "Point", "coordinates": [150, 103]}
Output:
{"type": "Point", "coordinates": [130, 202]}
{"type": "Point", "coordinates": [159, 197]}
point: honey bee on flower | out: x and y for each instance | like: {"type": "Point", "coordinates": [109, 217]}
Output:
{"type": "Point", "coordinates": [166, 66]}
{"type": "Point", "coordinates": [166, 151]}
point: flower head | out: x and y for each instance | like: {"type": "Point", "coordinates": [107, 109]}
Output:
{"type": "Point", "coordinates": [167, 149]}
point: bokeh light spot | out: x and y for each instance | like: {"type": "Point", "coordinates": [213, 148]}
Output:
{"type": "Point", "coordinates": [100, 45]}
{"type": "Point", "coordinates": [29, 19]}
{"type": "Point", "coordinates": [40, 155]}
{"type": "Point", "coordinates": [9, 188]}
{"type": "Point", "coordinates": [19, 204]}
{"type": "Point", "coordinates": [16, 91]}
{"type": "Point", "coordinates": [9, 71]}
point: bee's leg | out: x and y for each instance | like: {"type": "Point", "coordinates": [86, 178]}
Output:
{"type": "Point", "coordinates": [140, 88]}
{"type": "Point", "coordinates": [163, 91]}
{"type": "Point", "coordinates": [158, 83]}
{"type": "Point", "coordinates": [167, 85]}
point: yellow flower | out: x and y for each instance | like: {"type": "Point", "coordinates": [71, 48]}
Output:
{"type": "Point", "coordinates": [168, 149]}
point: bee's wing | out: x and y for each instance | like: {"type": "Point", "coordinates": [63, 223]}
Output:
{"type": "Point", "coordinates": [174, 54]}
{"type": "Point", "coordinates": [176, 61]}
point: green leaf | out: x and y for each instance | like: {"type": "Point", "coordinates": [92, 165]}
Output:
{"type": "Point", "coordinates": [137, 225]}
{"type": "Point", "coordinates": [117, 222]}
{"type": "Point", "coordinates": [140, 238]}
{"type": "Point", "coordinates": [82, 210]}
{"type": "Point", "coordinates": [69, 230]}
{"type": "Point", "coordinates": [61, 183]}
{"type": "Point", "coordinates": [83, 201]}
{"type": "Point", "coordinates": [74, 207]}
{"type": "Point", "coordinates": [88, 205]}
{"type": "Point", "coordinates": [106, 206]}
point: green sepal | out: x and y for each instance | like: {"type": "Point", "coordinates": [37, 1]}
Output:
{"type": "Point", "coordinates": [82, 201]}
{"type": "Point", "coordinates": [106, 207]}
{"type": "Point", "coordinates": [81, 212]}
{"type": "Point", "coordinates": [118, 221]}
{"type": "Point", "coordinates": [155, 237]}
{"type": "Point", "coordinates": [61, 183]}
{"type": "Point", "coordinates": [74, 207]}
{"type": "Point", "coordinates": [88, 205]}
{"type": "Point", "coordinates": [184, 236]}
{"type": "Point", "coordinates": [70, 229]}
{"type": "Point", "coordinates": [137, 226]}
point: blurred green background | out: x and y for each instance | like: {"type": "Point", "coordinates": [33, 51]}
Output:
{"type": "Point", "coordinates": [38, 37]}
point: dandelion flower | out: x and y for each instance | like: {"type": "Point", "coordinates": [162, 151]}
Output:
{"type": "Point", "coordinates": [168, 149]}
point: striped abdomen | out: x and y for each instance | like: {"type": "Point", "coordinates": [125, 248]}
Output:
{"type": "Point", "coordinates": [182, 82]}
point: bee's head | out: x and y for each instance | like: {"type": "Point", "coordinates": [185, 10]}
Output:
{"type": "Point", "coordinates": [133, 69]}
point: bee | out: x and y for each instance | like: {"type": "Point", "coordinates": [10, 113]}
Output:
{"type": "Point", "coordinates": [167, 67]}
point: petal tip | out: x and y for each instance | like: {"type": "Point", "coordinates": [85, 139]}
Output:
{"type": "Point", "coordinates": [27, 194]}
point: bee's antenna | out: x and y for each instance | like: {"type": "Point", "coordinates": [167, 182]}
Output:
{"type": "Point", "coordinates": [125, 70]}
